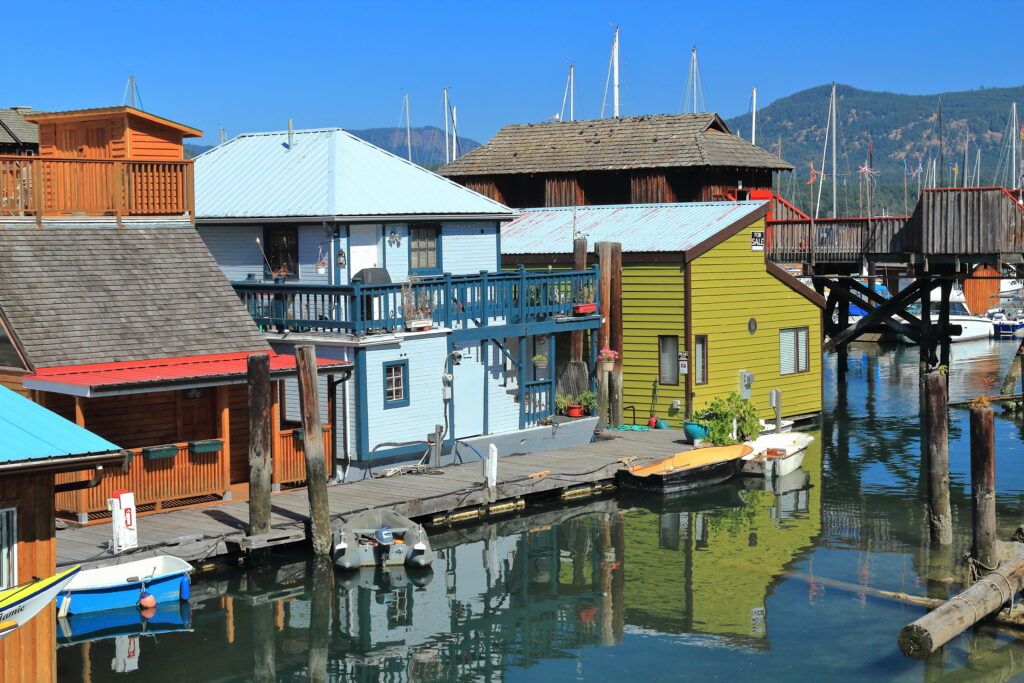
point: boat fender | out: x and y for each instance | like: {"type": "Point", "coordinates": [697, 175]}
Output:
{"type": "Point", "coordinates": [420, 546]}
{"type": "Point", "coordinates": [185, 588]}
{"type": "Point", "coordinates": [147, 599]}
{"type": "Point", "coordinates": [653, 422]}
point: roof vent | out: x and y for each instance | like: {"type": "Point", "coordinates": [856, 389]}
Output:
{"type": "Point", "coordinates": [22, 108]}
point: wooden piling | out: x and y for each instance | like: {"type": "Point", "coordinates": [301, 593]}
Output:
{"type": "Point", "coordinates": [924, 636]}
{"type": "Point", "coordinates": [313, 448]}
{"type": "Point", "coordinates": [944, 337]}
{"type": "Point", "coordinates": [603, 407]}
{"type": "Point", "coordinates": [1013, 375]}
{"type": "Point", "coordinates": [320, 617]}
{"type": "Point", "coordinates": [843, 350]}
{"type": "Point", "coordinates": [615, 416]}
{"type": "Point", "coordinates": [579, 262]}
{"type": "Point", "coordinates": [259, 443]}
{"type": "Point", "coordinates": [940, 517]}
{"type": "Point", "coordinates": [983, 484]}
{"type": "Point", "coordinates": [604, 262]}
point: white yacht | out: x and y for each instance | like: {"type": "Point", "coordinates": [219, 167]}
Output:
{"type": "Point", "coordinates": [972, 326]}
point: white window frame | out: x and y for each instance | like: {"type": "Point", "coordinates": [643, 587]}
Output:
{"type": "Point", "coordinates": [8, 547]}
{"type": "Point", "coordinates": [801, 351]}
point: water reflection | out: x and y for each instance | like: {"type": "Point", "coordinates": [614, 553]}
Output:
{"type": "Point", "coordinates": [754, 579]}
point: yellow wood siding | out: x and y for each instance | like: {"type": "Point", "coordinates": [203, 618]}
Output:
{"type": "Point", "coordinates": [652, 305]}
{"type": "Point", "coordinates": [731, 285]}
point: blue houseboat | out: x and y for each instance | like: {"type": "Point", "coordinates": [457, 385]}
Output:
{"type": "Point", "coordinates": [332, 241]}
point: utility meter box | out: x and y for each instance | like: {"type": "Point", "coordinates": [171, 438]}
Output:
{"type": "Point", "coordinates": [122, 507]}
{"type": "Point", "coordinates": [746, 383]}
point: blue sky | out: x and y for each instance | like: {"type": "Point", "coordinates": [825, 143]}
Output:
{"type": "Point", "coordinates": [250, 66]}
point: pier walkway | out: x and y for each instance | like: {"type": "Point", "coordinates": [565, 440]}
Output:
{"type": "Point", "coordinates": [206, 533]}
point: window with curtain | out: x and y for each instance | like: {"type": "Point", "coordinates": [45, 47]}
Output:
{"type": "Point", "coordinates": [794, 354]}
{"type": "Point", "coordinates": [423, 248]}
{"type": "Point", "coordinates": [668, 359]}
{"type": "Point", "coordinates": [8, 548]}
{"type": "Point", "coordinates": [700, 359]}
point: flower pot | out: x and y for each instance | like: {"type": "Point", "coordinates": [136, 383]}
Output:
{"type": "Point", "coordinates": [694, 431]}
{"type": "Point", "coordinates": [584, 309]}
{"type": "Point", "coordinates": [605, 365]}
{"type": "Point", "coordinates": [541, 364]}
{"type": "Point", "coordinates": [205, 446]}
{"type": "Point", "coordinates": [573, 411]}
{"type": "Point", "coordinates": [321, 270]}
{"type": "Point", "coordinates": [419, 324]}
{"type": "Point", "coordinates": [159, 452]}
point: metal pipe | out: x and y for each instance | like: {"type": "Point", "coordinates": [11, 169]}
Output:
{"type": "Point", "coordinates": [97, 475]}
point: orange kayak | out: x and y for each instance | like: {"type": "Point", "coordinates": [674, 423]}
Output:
{"type": "Point", "coordinates": [692, 469]}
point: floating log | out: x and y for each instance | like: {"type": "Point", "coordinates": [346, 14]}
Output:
{"type": "Point", "coordinates": [958, 614]}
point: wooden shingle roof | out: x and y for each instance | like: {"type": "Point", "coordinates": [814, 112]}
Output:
{"type": "Point", "coordinates": [12, 121]}
{"type": "Point", "coordinates": [92, 294]}
{"type": "Point", "coordinates": [635, 142]}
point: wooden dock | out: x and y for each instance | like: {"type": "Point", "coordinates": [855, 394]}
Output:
{"type": "Point", "coordinates": [204, 534]}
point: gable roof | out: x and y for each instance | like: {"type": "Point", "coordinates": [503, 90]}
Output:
{"type": "Point", "coordinates": [640, 228]}
{"type": "Point", "coordinates": [325, 173]}
{"type": "Point", "coordinates": [31, 432]}
{"type": "Point", "coordinates": [12, 121]}
{"type": "Point", "coordinates": [99, 294]}
{"type": "Point", "coordinates": [105, 112]}
{"type": "Point", "coordinates": [657, 141]}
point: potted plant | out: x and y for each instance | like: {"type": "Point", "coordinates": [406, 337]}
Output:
{"type": "Point", "coordinates": [416, 308]}
{"type": "Point", "coordinates": [606, 360]}
{"type": "Point", "coordinates": [729, 420]}
{"type": "Point", "coordinates": [588, 400]}
{"type": "Point", "coordinates": [566, 404]}
{"type": "Point", "coordinates": [584, 303]}
{"type": "Point", "coordinates": [540, 361]}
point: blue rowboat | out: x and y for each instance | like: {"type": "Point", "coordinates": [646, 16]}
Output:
{"type": "Point", "coordinates": [166, 618]}
{"type": "Point", "coordinates": [164, 577]}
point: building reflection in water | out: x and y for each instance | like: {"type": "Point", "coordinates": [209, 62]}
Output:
{"type": "Point", "coordinates": [504, 594]}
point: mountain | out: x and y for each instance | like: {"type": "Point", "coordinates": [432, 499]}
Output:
{"type": "Point", "coordinates": [899, 127]}
{"type": "Point", "coordinates": [427, 143]}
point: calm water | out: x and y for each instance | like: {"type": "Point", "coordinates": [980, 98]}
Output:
{"type": "Point", "coordinates": [739, 583]}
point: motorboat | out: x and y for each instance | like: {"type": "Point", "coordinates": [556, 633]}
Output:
{"type": "Point", "coordinates": [379, 538]}
{"type": "Point", "coordinates": [776, 455]}
{"type": "Point", "coordinates": [19, 604]}
{"type": "Point", "coordinates": [163, 577]}
{"type": "Point", "coordinates": [972, 326]}
{"type": "Point", "coordinates": [692, 469]}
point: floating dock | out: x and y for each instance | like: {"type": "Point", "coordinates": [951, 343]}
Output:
{"type": "Point", "coordinates": [208, 534]}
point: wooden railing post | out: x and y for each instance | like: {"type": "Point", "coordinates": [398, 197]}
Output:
{"type": "Point", "coordinates": [190, 191]}
{"type": "Point", "coordinates": [485, 295]}
{"type": "Point", "coordinates": [37, 190]}
{"type": "Point", "coordinates": [448, 302]}
{"type": "Point", "coordinates": [522, 294]}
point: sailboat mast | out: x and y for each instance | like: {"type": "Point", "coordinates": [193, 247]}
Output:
{"type": "Point", "coordinates": [447, 155]}
{"type": "Point", "coordinates": [615, 74]}
{"type": "Point", "coordinates": [1014, 136]}
{"type": "Point", "coordinates": [835, 176]}
{"type": "Point", "coordinates": [753, 116]}
{"type": "Point", "coordinates": [942, 151]}
{"type": "Point", "coordinates": [455, 133]}
{"type": "Point", "coordinates": [408, 130]}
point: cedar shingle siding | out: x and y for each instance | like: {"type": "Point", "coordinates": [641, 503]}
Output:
{"type": "Point", "coordinates": [659, 141]}
{"type": "Point", "coordinates": [78, 295]}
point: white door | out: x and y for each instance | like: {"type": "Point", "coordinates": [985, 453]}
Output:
{"type": "Point", "coordinates": [363, 247]}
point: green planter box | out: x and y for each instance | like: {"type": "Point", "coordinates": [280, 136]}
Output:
{"type": "Point", "coordinates": [205, 446]}
{"type": "Point", "coordinates": [159, 452]}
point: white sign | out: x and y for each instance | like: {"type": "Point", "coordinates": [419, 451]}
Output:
{"type": "Point", "coordinates": [122, 509]}
{"type": "Point", "coordinates": [757, 240]}
{"type": "Point", "coordinates": [684, 363]}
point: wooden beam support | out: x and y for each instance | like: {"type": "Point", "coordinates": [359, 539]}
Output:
{"type": "Point", "coordinates": [878, 314]}
{"type": "Point", "coordinates": [604, 262]}
{"type": "Point", "coordinates": [313, 448]}
{"type": "Point", "coordinates": [79, 411]}
{"type": "Point", "coordinates": [223, 414]}
{"type": "Point", "coordinates": [614, 307]}
{"type": "Point", "coordinates": [579, 262]}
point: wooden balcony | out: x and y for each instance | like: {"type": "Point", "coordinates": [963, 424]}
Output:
{"type": "Point", "coordinates": [290, 457]}
{"type": "Point", "coordinates": [44, 186]}
{"type": "Point", "coordinates": [461, 302]}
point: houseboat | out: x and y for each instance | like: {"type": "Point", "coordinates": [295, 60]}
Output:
{"type": "Point", "coordinates": [385, 265]}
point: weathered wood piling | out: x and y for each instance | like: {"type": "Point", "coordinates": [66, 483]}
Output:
{"type": "Point", "coordinates": [313, 446]}
{"type": "Point", "coordinates": [983, 484]}
{"type": "Point", "coordinates": [940, 518]}
{"type": "Point", "coordinates": [259, 443]}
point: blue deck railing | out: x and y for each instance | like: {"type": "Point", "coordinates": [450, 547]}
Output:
{"type": "Point", "coordinates": [453, 301]}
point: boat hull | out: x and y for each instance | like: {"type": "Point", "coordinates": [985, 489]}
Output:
{"type": "Point", "coordinates": [354, 545]}
{"type": "Point", "coordinates": [121, 586]}
{"type": "Point", "coordinates": [760, 463]}
{"type": "Point", "coordinates": [680, 480]}
{"type": "Point", "coordinates": [20, 604]}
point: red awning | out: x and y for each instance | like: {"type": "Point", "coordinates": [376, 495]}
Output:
{"type": "Point", "coordinates": [132, 377]}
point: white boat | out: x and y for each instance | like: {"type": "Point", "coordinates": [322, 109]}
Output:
{"type": "Point", "coordinates": [972, 326]}
{"type": "Point", "coordinates": [776, 455]}
{"type": "Point", "coordinates": [19, 604]}
{"type": "Point", "coordinates": [164, 577]}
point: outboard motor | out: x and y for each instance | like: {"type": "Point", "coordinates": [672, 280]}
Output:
{"type": "Point", "coordinates": [385, 539]}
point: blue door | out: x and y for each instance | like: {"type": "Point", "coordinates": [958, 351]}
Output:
{"type": "Point", "coordinates": [468, 391]}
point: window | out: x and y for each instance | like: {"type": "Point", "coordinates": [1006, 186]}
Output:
{"type": "Point", "coordinates": [281, 249]}
{"type": "Point", "coordinates": [424, 246]}
{"type": "Point", "coordinates": [396, 384]}
{"type": "Point", "coordinates": [668, 359]}
{"type": "Point", "coordinates": [793, 352]}
{"type": "Point", "coordinates": [700, 359]}
{"type": "Point", "coordinates": [8, 548]}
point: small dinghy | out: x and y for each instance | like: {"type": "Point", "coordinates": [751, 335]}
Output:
{"type": "Point", "coordinates": [154, 580]}
{"type": "Point", "coordinates": [19, 604]}
{"type": "Point", "coordinates": [776, 455]}
{"type": "Point", "coordinates": [684, 471]}
{"type": "Point", "coordinates": [381, 538]}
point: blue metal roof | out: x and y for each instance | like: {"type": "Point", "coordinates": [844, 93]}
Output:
{"type": "Point", "coordinates": [325, 172]}
{"type": "Point", "coordinates": [29, 431]}
{"type": "Point", "coordinates": [638, 227]}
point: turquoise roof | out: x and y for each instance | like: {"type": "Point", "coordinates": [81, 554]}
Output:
{"type": "Point", "coordinates": [29, 431]}
{"type": "Point", "coordinates": [325, 172]}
